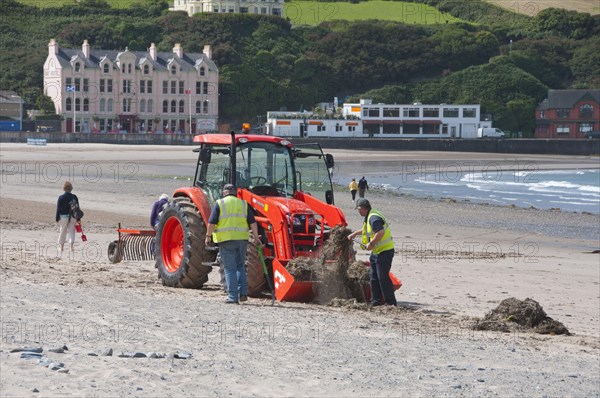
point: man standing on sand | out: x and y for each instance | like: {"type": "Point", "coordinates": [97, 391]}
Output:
{"type": "Point", "coordinates": [353, 187]}
{"type": "Point", "coordinates": [377, 237]}
{"type": "Point", "coordinates": [228, 226]}
{"type": "Point", "coordinates": [362, 186]}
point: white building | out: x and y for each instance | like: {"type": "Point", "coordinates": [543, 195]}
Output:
{"type": "Point", "coordinates": [265, 7]}
{"type": "Point", "coordinates": [366, 119]}
{"type": "Point", "coordinates": [132, 91]}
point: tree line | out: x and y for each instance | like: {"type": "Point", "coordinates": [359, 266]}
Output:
{"type": "Point", "coordinates": [502, 60]}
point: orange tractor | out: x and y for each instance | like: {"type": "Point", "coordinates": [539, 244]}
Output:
{"type": "Point", "coordinates": [288, 186]}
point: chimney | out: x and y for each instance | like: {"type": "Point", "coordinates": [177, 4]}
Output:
{"type": "Point", "coordinates": [153, 52]}
{"type": "Point", "coordinates": [52, 47]}
{"type": "Point", "coordinates": [207, 51]}
{"type": "Point", "coordinates": [85, 48]}
{"type": "Point", "coordinates": [178, 50]}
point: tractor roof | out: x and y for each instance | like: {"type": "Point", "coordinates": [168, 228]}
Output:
{"type": "Point", "coordinates": [225, 139]}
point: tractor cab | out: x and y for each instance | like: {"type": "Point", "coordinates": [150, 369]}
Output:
{"type": "Point", "coordinates": [264, 165]}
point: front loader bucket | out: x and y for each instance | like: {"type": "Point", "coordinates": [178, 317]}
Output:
{"type": "Point", "coordinates": [289, 289]}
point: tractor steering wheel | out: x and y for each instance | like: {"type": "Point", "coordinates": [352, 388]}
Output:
{"type": "Point", "coordinates": [258, 180]}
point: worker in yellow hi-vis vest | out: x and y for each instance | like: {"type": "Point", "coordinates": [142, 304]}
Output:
{"type": "Point", "coordinates": [228, 225]}
{"type": "Point", "coordinates": [377, 237]}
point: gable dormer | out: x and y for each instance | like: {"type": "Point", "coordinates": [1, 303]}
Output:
{"type": "Point", "coordinates": [77, 63]}
{"type": "Point", "coordinates": [146, 66]}
{"type": "Point", "coordinates": [106, 65]}
{"type": "Point", "coordinates": [201, 67]}
{"type": "Point", "coordinates": [173, 67]}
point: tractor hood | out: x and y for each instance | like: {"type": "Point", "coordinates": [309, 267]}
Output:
{"type": "Point", "coordinates": [264, 204]}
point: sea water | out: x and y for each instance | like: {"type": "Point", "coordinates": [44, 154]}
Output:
{"type": "Point", "coordinates": [570, 190]}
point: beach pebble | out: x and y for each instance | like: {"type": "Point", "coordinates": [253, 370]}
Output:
{"type": "Point", "coordinates": [124, 355]}
{"type": "Point", "coordinates": [35, 390]}
{"type": "Point", "coordinates": [138, 388]}
{"type": "Point", "coordinates": [63, 370]}
{"type": "Point", "coordinates": [27, 349]}
{"type": "Point", "coordinates": [107, 353]}
{"type": "Point", "coordinates": [30, 355]}
{"type": "Point", "coordinates": [456, 386]}
{"type": "Point", "coordinates": [138, 355]}
{"type": "Point", "coordinates": [58, 350]}
{"type": "Point", "coordinates": [182, 355]}
{"type": "Point", "coordinates": [92, 354]}
{"type": "Point", "coordinates": [155, 355]}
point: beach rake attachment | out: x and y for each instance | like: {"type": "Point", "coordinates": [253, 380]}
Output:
{"type": "Point", "coordinates": [132, 245]}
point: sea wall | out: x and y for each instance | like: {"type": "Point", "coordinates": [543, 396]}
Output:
{"type": "Point", "coordinates": [533, 146]}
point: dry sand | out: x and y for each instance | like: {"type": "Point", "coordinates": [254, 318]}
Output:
{"type": "Point", "coordinates": [457, 261]}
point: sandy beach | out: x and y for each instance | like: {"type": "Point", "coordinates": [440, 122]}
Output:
{"type": "Point", "coordinates": [457, 261]}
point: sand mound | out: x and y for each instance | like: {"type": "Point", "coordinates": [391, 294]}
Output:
{"type": "Point", "coordinates": [513, 314]}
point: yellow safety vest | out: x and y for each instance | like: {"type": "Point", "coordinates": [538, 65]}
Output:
{"type": "Point", "coordinates": [386, 242]}
{"type": "Point", "coordinates": [232, 224]}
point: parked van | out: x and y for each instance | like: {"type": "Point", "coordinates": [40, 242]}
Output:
{"type": "Point", "coordinates": [491, 132]}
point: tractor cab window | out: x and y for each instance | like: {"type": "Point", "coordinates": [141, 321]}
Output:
{"type": "Point", "coordinates": [213, 173]}
{"type": "Point", "coordinates": [313, 171]}
{"type": "Point", "coordinates": [265, 168]}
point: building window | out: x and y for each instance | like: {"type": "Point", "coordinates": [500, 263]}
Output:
{"type": "Point", "coordinates": [77, 84]}
{"type": "Point", "coordinates": [173, 106]}
{"type": "Point", "coordinates": [431, 112]}
{"type": "Point", "coordinates": [173, 69]}
{"type": "Point", "coordinates": [77, 104]}
{"type": "Point", "coordinates": [126, 104]}
{"type": "Point", "coordinates": [165, 125]}
{"type": "Point", "coordinates": [86, 105]}
{"type": "Point", "coordinates": [142, 86]}
{"type": "Point", "coordinates": [198, 107]}
{"type": "Point", "coordinates": [128, 68]}
{"type": "Point", "coordinates": [586, 111]}
{"type": "Point", "coordinates": [243, 10]}
{"type": "Point", "coordinates": [86, 85]}
{"type": "Point", "coordinates": [371, 112]}
{"type": "Point", "coordinates": [450, 112]}
{"type": "Point", "coordinates": [77, 67]}
{"type": "Point", "coordinates": [391, 112]}
{"type": "Point", "coordinates": [542, 114]}
{"type": "Point", "coordinates": [68, 82]}
{"type": "Point", "coordinates": [411, 112]}
{"type": "Point", "coordinates": [102, 85]}
{"type": "Point", "coordinates": [109, 107]}
{"type": "Point", "coordinates": [165, 87]}
{"type": "Point", "coordinates": [470, 112]}
{"type": "Point", "coordinates": [150, 105]}
{"type": "Point", "coordinates": [338, 127]}
{"type": "Point", "coordinates": [109, 85]}
{"type": "Point", "coordinates": [198, 88]}
{"type": "Point", "coordinates": [181, 87]}
{"type": "Point", "coordinates": [277, 11]}
{"type": "Point", "coordinates": [173, 87]}
{"type": "Point", "coordinates": [102, 105]}
{"type": "Point", "coordinates": [181, 106]}
{"type": "Point", "coordinates": [126, 86]}
{"type": "Point", "coordinates": [205, 107]}
{"type": "Point", "coordinates": [165, 106]}
{"type": "Point", "coordinates": [562, 129]}
{"type": "Point", "coordinates": [562, 113]}
{"type": "Point", "coordinates": [105, 68]}
{"type": "Point", "coordinates": [351, 128]}
{"type": "Point", "coordinates": [146, 70]}
{"type": "Point", "coordinates": [202, 71]}
{"type": "Point", "coordinates": [585, 127]}
{"type": "Point", "coordinates": [102, 124]}
{"type": "Point", "coordinates": [149, 86]}
{"type": "Point", "coordinates": [122, 68]}
{"type": "Point", "coordinates": [142, 106]}
{"type": "Point", "coordinates": [69, 105]}
{"type": "Point", "coordinates": [321, 127]}
{"type": "Point", "coordinates": [205, 87]}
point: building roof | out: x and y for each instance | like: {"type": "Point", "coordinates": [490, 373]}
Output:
{"type": "Point", "coordinates": [9, 96]}
{"type": "Point", "coordinates": [568, 98]}
{"type": "Point", "coordinates": [187, 62]}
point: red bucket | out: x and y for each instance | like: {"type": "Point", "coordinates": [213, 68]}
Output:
{"type": "Point", "coordinates": [78, 228]}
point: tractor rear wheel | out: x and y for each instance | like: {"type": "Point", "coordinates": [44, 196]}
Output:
{"type": "Point", "coordinates": [254, 271]}
{"type": "Point", "coordinates": [180, 249]}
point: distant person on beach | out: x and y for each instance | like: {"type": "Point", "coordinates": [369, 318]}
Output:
{"type": "Point", "coordinates": [353, 187]}
{"type": "Point", "coordinates": [157, 209]}
{"type": "Point", "coordinates": [362, 187]}
{"type": "Point", "coordinates": [228, 225]}
{"type": "Point", "coordinates": [377, 237]}
{"type": "Point", "coordinates": [63, 217]}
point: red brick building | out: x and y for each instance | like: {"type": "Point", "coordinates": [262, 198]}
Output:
{"type": "Point", "coordinates": [568, 114]}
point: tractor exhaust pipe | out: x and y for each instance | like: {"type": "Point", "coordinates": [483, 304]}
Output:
{"type": "Point", "coordinates": [232, 160]}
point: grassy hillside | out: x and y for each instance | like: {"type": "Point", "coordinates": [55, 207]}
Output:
{"type": "Point", "coordinates": [314, 12]}
{"type": "Point", "coordinates": [531, 8]}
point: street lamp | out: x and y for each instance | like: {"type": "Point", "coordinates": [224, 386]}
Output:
{"type": "Point", "coordinates": [189, 93]}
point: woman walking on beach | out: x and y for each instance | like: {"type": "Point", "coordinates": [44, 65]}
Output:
{"type": "Point", "coordinates": [353, 186]}
{"type": "Point", "coordinates": [64, 218]}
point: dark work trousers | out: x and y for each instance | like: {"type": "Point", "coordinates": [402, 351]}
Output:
{"type": "Point", "coordinates": [353, 193]}
{"type": "Point", "coordinates": [381, 284]}
{"type": "Point", "coordinates": [361, 192]}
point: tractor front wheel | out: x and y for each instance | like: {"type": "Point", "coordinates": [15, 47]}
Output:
{"type": "Point", "coordinates": [180, 249]}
